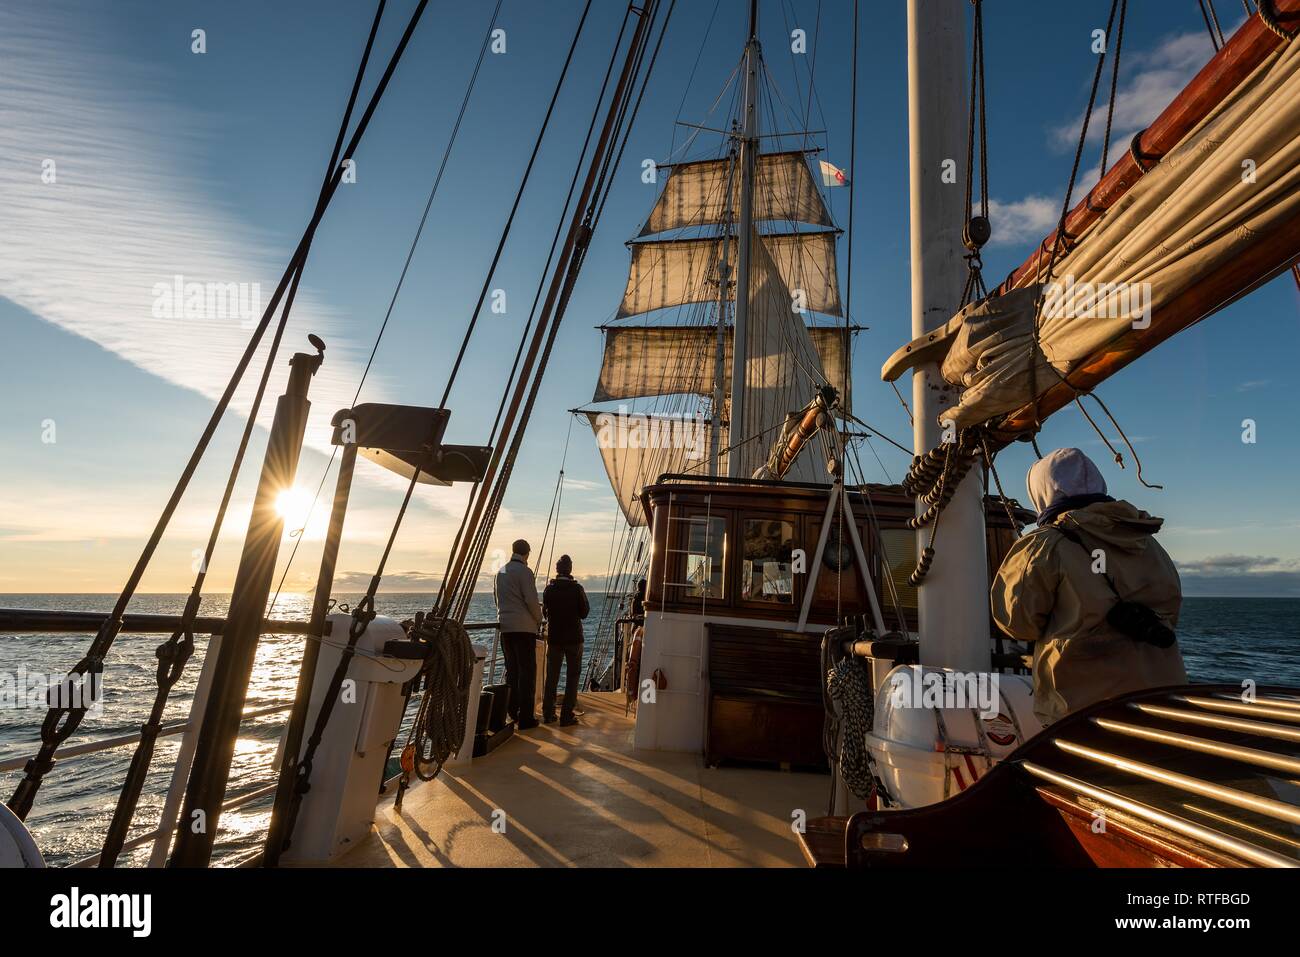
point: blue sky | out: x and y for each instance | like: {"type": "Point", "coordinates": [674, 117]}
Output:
{"type": "Point", "coordinates": [207, 165]}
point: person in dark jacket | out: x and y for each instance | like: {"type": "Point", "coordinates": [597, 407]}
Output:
{"type": "Point", "coordinates": [564, 603]}
{"type": "Point", "coordinates": [638, 603]}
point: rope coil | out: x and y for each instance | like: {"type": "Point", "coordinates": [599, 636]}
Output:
{"type": "Point", "coordinates": [849, 687]}
{"type": "Point", "coordinates": [1269, 16]}
{"type": "Point", "coordinates": [933, 480]}
{"type": "Point", "coordinates": [448, 674]}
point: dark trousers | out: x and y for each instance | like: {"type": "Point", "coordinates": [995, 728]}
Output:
{"type": "Point", "coordinates": [570, 653]}
{"type": "Point", "coordinates": [520, 650]}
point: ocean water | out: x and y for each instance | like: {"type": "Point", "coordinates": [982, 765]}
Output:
{"type": "Point", "coordinates": [76, 800]}
{"type": "Point", "coordinates": [1223, 640]}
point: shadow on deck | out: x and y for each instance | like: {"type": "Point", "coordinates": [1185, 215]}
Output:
{"type": "Point", "coordinates": [582, 797]}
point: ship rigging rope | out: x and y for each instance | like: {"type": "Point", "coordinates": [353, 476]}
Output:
{"type": "Point", "coordinates": [853, 178]}
{"type": "Point", "coordinates": [60, 723]}
{"type": "Point", "coordinates": [977, 128]}
{"type": "Point", "coordinates": [498, 493]}
{"type": "Point", "coordinates": [425, 745]}
{"type": "Point", "coordinates": [514, 208]}
{"type": "Point", "coordinates": [1016, 527]}
{"type": "Point", "coordinates": [401, 279]}
{"type": "Point", "coordinates": [443, 706]}
{"type": "Point", "coordinates": [175, 652]}
{"type": "Point", "coordinates": [555, 508]}
{"type": "Point", "coordinates": [617, 583]}
{"type": "Point", "coordinates": [878, 539]}
{"type": "Point", "coordinates": [364, 611]}
{"type": "Point", "coordinates": [592, 215]}
{"type": "Point", "coordinates": [586, 215]}
{"type": "Point", "coordinates": [704, 40]}
{"type": "Point", "coordinates": [1211, 25]}
{"type": "Point", "coordinates": [444, 590]}
{"type": "Point", "coordinates": [1059, 237]}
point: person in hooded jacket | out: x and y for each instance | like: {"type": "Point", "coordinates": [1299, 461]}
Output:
{"type": "Point", "coordinates": [564, 603]}
{"type": "Point", "coordinates": [1059, 587]}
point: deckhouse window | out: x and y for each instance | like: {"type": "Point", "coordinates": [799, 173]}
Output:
{"type": "Point", "coordinates": [706, 539]}
{"type": "Point", "coordinates": [767, 573]}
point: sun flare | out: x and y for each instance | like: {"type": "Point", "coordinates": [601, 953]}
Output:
{"type": "Point", "coordinates": [293, 505]}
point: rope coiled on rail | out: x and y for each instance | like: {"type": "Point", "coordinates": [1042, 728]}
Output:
{"type": "Point", "coordinates": [849, 687]}
{"type": "Point", "coordinates": [448, 673]}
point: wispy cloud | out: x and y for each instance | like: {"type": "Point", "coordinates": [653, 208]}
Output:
{"type": "Point", "coordinates": [393, 581]}
{"type": "Point", "coordinates": [1149, 81]}
{"type": "Point", "coordinates": [1022, 221]}
{"type": "Point", "coordinates": [583, 485]}
{"type": "Point", "coordinates": [86, 250]}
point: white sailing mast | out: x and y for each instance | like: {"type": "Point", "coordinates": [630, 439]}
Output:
{"type": "Point", "coordinates": [720, 345]}
{"type": "Point", "coordinates": [748, 157]}
{"type": "Point", "coordinates": [952, 601]}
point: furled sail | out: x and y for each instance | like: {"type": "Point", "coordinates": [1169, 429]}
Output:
{"type": "Point", "coordinates": [695, 194]}
{"type": "Point", "coordinates": [636, 449]}
{"type": "Point", "coordinates": [667, 273]}
{"type": "Point", "coordinates": [782, 371]}
{"type": "Point", "coordinates": [643, 361]}
{"type": "Point", "coordinates": [1190, 236]}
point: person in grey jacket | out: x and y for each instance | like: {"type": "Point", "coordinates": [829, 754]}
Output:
{"type": "Point", "coordinates": [519, 615]}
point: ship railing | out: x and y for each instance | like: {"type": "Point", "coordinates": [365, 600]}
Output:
{"type": "Point", "coordinates": [495, 658]}
{"type": "Point", "coordinates": [27, 620]}
{"type": "Point", "coordinates": [108, 744]}
{"type": "Point", "coordinates": [24, 620]}
{"type": "Point", "coordinates": [164, 834]}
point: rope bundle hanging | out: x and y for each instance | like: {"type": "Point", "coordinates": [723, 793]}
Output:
{"type": "Point", "coordinates": [849, 687]}
{"type": "Point", "coordinates": [933, 480]}
{"type": "Point", "coordinates": [448, 674]}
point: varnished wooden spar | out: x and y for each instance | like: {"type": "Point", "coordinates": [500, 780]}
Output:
{"type": "Point", "coordinates": [816, 416]}
{"type": "Point", "coordinates": [1249, 47]}
{"type": "Point", "coordinates": [1264, 261]}
{"type": "Point", "coordinates": [1253, 43]}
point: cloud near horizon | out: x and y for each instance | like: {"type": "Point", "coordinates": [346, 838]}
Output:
{"type": "Point", "coordinates": [1241, 575]}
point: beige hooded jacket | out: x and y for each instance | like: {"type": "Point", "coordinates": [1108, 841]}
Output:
{"type": "Point", "coordinates": [1047, 592]}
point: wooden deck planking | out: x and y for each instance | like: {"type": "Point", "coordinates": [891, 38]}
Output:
{"type": "Point", "coordinates": [583, 797]}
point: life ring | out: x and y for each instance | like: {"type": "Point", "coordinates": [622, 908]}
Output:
{"type": "Point", "coordinates": [17, 848]}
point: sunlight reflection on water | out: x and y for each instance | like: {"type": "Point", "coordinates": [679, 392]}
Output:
{"type": "Point", "coordinates": [76, 800]}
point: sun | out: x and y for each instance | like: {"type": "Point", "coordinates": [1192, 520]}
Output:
{"type": "Point", "coordinates": [293, 505]}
